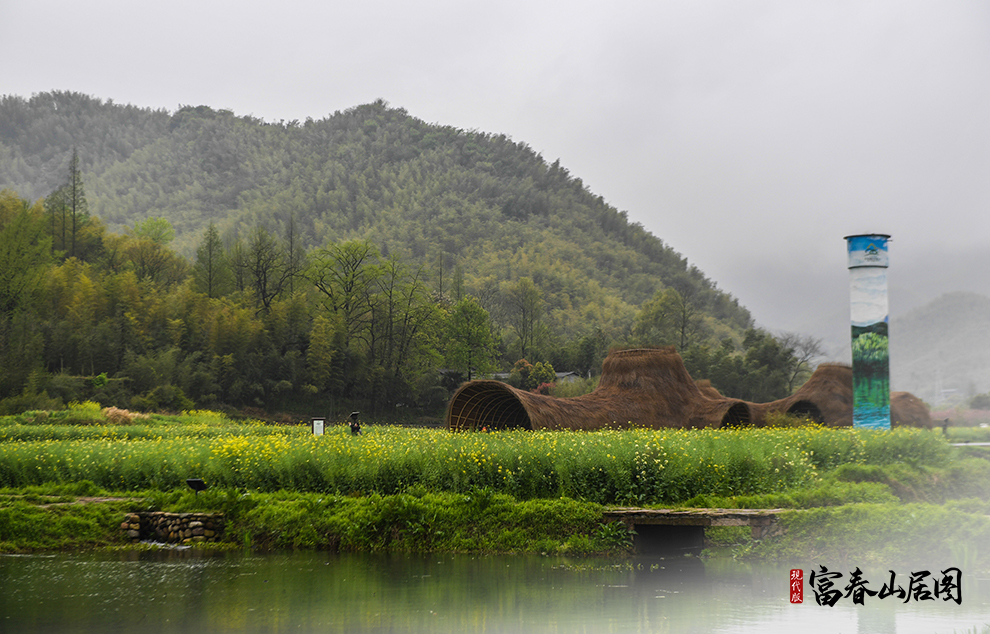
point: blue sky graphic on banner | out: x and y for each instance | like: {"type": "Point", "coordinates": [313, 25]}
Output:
{"type": "Point", "coordinates": [868, 296]}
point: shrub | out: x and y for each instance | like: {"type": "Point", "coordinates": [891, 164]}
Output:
{"type": "Point", "coordinates": [168, 398]}
{"type": "Point", "coordinates": [789, 421]}
{"type": "Point", "coordinates": [575, 387]}
{"type": "Point", "coordinates": [882, 535]}
{"type": "Point", "coordinates": [86, 413]}
{"type": "Point", "coordinates": [26, 402]}
{"type": "Point", "coordinates": [980, 401]}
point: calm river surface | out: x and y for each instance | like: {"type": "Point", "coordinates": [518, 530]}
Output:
{"type": "Point", "coordinates": [192, 592]}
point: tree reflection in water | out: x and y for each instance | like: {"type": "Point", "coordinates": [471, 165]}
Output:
{"type": "Point", "coordinates": [192, 591]}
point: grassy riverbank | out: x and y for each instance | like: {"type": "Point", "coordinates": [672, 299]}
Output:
{"type": "Point", "coordinates": [878, 495]}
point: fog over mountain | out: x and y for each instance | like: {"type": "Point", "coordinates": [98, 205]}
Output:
{"type": "Point", "coordinates": [912, 285]}
{"type": "Point", "coordinates": [941, 351]}
{"type": "Point", "coordinates": [750, 136]}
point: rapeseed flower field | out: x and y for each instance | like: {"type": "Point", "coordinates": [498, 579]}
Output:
{"type": "Point", "coordinates": [639, 466]}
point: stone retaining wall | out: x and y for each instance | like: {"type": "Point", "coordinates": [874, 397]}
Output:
{"type": "Point", "coordinates": [173, 528]}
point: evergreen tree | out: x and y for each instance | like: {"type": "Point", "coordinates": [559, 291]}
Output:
{"type": "Point", "coordinates": [457, 286]}
{"type": "Point", "coordinates": [75, 202]}
{"type": "Point", "coordinates": [295, 254]}
{"type": "Point", "coordinates": [542, 376]}
{"type": "Point", "coordinates": [211, 273]}
{"type": "Point", "coordinates": [56, 210]}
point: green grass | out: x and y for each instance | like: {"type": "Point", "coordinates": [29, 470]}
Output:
{"type": "Point", "coordinates": [969, 434]}
{"type": "Point", "coordinates": [479, 522]}
{"type": "Point", "coordinates": [403, 489]}
{"type": "Point", "coordinates": [606, 467]}
{"type": "Point", "coordinates": [28, 525]}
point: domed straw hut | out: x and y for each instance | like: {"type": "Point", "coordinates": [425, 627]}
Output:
{"type": "Point", "coordinates": [907, 410]}
{"type": "Point", "coordinates": [827, 398]}
{"type": "Point", "coordinates": [640, 387]}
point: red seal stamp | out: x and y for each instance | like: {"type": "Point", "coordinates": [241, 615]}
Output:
{"type": "Point", "coordinates": [797, 585]}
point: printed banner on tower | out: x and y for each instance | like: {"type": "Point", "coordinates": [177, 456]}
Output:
{"type": "Point", "coordinates": [868, 262]}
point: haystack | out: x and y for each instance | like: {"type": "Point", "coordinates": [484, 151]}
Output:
{"type": "Point", "coordinates": [641, 387]}
{"type": "Point", "coordinates": [827, 398]}
{"type": "Point", "coordinates": [907, 410]}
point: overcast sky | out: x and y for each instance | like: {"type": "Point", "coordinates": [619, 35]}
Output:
{"type": "Point", "coordinates": [750, 136]}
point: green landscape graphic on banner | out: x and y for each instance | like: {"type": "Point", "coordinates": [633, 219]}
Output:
{"type": "Point", "coordinates": [869, 311]}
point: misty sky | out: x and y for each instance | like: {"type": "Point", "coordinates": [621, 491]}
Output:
{"type": "Point", "coordinates": [749, 136]}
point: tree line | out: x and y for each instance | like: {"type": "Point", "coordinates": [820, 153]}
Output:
{"type": "Point", "coordinates": [476, 202]}
{"type": "Point", "coordinates": [257, 321]}
{"type": "Point", "coordinates": [231, 261]}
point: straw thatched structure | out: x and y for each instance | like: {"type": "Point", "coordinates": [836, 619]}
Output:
{"type": "Point", "coordinates": [827, 398]}
{"type": "Point", "coordinates": [907, 410]}
{"type": "Point", "coordinates": [641, 387]}
{"type": "Point", "coordinates": [707, 389]}
{"type": "Point", "coordinates": [652, 388]}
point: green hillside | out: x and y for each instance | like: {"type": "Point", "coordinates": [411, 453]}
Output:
{"type": "Point", "coordinates": [373, 172]}
{"type": "Point", "coordinates": [437, 213]}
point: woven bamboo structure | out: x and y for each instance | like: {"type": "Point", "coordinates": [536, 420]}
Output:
{"type": "Point", "coordinates": [641, 387]}
{"type": "Point", "coordinates": [651, 388]}
{"type": "Point", "coordinates": [707, 389]}
{"type": "Point", "coordinates": [827, 398]}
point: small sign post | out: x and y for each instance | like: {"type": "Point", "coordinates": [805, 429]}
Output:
{"type": "Point", "coordinates": [317, 426]}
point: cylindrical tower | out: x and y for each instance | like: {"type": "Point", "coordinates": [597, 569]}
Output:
{"type": "Point", "coordinates": [868, 262]}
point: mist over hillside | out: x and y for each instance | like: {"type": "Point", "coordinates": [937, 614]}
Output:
{"type": "Point", "coordinates": [941, 351]}
{"type": "Point", "coordinates": [939, 347]}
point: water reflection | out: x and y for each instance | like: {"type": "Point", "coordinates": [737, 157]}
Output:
{"type": "Point", "coordinates": [190, 591]}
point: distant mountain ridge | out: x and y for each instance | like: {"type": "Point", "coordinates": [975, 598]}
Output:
{"type": "Point", "coordinates": [942, 349]}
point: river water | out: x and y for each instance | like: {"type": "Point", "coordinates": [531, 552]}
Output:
{"type": "Point", "coordinates": [190, 591]}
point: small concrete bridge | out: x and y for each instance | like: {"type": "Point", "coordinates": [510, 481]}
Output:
{"type": "Point", "coordinates": [682, 531]}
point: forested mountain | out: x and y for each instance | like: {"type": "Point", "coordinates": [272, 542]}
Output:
{"type": "Point", "coordinates": [373, 172]}
{"type": "Point", "coordinates": [943, 346]}
{"type": "Point", "coordinates": [294, 212]}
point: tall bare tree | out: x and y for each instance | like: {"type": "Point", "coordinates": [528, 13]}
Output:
{"type": "Point", "coordinates": [804, 350]}
{"type": "Point", "coordinates": [526, 308]}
